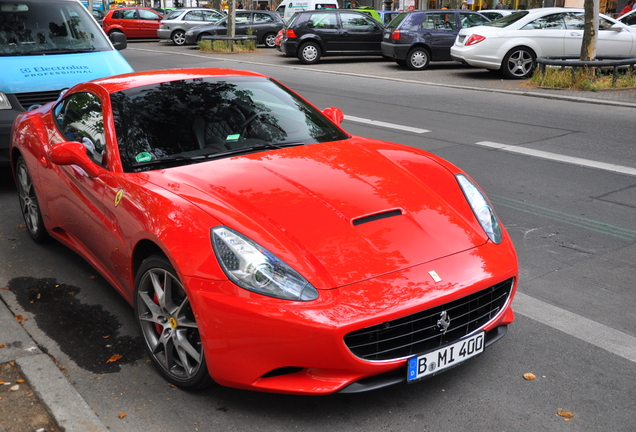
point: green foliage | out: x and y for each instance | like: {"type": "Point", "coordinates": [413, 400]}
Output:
{"type": "Point", "coordinates": [583, 78]}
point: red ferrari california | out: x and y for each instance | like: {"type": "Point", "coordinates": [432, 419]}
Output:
{"type": "Point", "coordinates": [262, 246]}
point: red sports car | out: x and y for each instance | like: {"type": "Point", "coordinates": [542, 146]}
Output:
{"type": "Point", "coordinates": [261, 245]}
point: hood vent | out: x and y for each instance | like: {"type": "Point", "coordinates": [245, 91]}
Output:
{"type": "Point", "coordinates": [376, 216]}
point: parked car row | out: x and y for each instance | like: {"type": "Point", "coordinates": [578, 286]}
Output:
{"type": "Point", "coordinates": [510, 43]}
{"type": "Point", "coordinates": [188, 26]}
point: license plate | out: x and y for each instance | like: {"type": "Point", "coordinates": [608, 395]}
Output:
{"type": "Point", "coordinates": [436, 361]}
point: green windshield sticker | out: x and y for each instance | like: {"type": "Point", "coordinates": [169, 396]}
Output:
{"type": "Point", "coordinates": [143, 157]}
{"type": "Point", "coordinates": [234, 137]}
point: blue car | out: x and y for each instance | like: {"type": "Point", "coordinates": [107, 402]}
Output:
{"type": "Point", "coordinates": [47, 46]}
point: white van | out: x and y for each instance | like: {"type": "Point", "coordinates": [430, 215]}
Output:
{"type": "Point", "coordinates": [47, 46]}
{"type": "Point", "coordinates": [290, 7]}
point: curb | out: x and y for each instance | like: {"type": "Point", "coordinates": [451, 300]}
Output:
{"type": "Point", "coordinates": [67, 407]}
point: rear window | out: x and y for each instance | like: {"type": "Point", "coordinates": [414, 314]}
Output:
{"type": "Point", "coordinates": [48, 27]}
{"type": "Point", "coordinates": [174, 14]}
{"type": "Point", "coordinates": [508, 19]}
{"type": "Point", "coordinates": [406, 21]}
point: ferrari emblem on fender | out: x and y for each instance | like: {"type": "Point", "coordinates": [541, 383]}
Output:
{"type": "Point", "coordinates": [118, 197]}
{"type": "Point", "coordinates": [435, 276]}
{"type": "Point", "coordinates": [443, 322]}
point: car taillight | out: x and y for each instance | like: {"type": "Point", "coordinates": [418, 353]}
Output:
{"type": "Point", "coordinates": [291, 34]}
{"type": "Point", "coordinates": [474, 39]}
{"type": "Point", "coordinates": [395, 34]}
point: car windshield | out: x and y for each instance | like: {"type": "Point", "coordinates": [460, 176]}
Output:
{"type": "Point", "coordinates": [48, 27]}
{"type": "Point", "coordinates": [188, 121]}
{"type": "Point", "coordinates": [508, 19]}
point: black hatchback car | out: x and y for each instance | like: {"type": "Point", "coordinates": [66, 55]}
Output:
{"type": "Point", "coordinates": [262, 24]}
{"type": "Point", "coordinates": [310, 35]}
{"type": "Point", "coordinates": [414, 39]}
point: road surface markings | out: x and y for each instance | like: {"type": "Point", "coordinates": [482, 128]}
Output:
{"type": "Point", "coordinates": [560, 158]}
{"type": "Point", "coordinates": [385, 125]}
{"type": "Point", "coordinates": [597, 334]}
{"type": "Point", "coordinates": [581, 222]}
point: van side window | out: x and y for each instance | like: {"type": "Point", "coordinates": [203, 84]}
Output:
{"type": "Point", "coordinates": [79, 118]}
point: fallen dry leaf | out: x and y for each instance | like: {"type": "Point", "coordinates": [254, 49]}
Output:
{"type": "Point", "coordinates": [122, 415]}
{"type": "Point", "coordinates": [2, 345]}
{"type": "Point", "coordinates": [15, 388]}
{"type": "Point", "coordinates": [21, 226]}
{"type": "Point", "coordinates": [19, 381]}
{"type": "Point", "coordinates": [566, 414]}
{"type": "Point", "coordinates": [529, 376]}
{"type": "Point", "coordinates": [114, 358]}
{"type": "Point", "coordinates": [5, 288]}
{"type": "Point", "coordinates": [62, 368]}
{"type": "Point", "coordinates": [20, 318]}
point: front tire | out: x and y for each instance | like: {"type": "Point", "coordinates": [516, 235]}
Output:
{"type": "Point", "coordinates": [168, 326]}
{"type": "Point", "coordinates": [29, 204]}
{"type": "Point", "coordinates": [309, 53]}
{"type": "Point", "coordinates": [418, 59]}
{"type": "Point", "coordinates": [178, 37]}
{"type": "Point", "coordinates": [519, 63]}
{"type": "Point", "coordinates": [270, 40]}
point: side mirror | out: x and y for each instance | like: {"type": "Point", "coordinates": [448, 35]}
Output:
{"type": "Point", "coordinates": [617, 28]}
{"type": "Point", "coordinates": [73, 153]}
{"type": "Point", "coordinates": [118, 40]}
{"type": "Point", "coordinates": [334, 114]}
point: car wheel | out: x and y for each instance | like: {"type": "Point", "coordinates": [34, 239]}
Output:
{"type": "Point", "coordinates": [418, 59]}
{"type": "Point", "coordinates": [167, 323]}
{"type": "Point", "coordinates": [29, 203]}
{"type": "Point", "coordinates": [518, 63]}
{"type": "Point", "coordinates": [309, 53]}
{"type": "Point", "coordinates": [270, 40]}
{"type": "Point", "coordinates": [178, 37]}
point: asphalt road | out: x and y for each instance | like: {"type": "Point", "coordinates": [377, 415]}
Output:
{"type": "Point", "coordinates": [568, 203]}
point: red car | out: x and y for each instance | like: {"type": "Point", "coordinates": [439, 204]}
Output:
{"type": "Point", "coordinates": [261, 245]}
{"type": "Point", "coordinates": [134, 22]}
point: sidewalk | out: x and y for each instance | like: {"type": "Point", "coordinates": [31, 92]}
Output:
{"type": "Point", "coordinates": [53, 391]}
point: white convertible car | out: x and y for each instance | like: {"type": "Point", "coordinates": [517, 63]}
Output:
{"type": "Point", "coordinates": [512, 44]}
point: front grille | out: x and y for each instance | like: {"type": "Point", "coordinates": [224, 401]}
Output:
{"type": "Point", "coordinates": [36, 98]}
{"type": "Point", "coordinates": [419, 333]}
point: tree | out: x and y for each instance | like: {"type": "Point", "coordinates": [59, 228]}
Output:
{"type": "Point", "coordinates": [590, 30]}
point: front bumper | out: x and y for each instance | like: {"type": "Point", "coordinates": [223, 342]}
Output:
{"type": "Point", "coordinates": [258, 343]}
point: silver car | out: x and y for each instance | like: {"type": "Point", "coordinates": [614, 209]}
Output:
{"type": "Point", "coordinates": [174, 25]}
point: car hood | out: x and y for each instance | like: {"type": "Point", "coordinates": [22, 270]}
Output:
{"type": "Point", "coordinates": [338, 212]}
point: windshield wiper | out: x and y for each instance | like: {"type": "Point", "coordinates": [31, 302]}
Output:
{"type": "Point", "coordinates": [252, 149]}
{"type": "Point", "coordinates": [60, 51]}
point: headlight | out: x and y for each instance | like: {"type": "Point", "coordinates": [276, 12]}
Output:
{"type": "Point", "coordinates": [254, 268]}
{"type": "Point", "coordinates": [4, 101]}
{"type": "Point", "coordinates": [481, 207]}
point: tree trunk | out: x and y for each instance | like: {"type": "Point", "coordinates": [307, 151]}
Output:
{"type": "Point", "coordinates": [590, 30]}
{"type": "Point", "coordinates": [231, 18]}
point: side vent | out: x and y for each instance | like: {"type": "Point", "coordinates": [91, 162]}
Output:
{"type": "Point", "coordinates": [377, 216]}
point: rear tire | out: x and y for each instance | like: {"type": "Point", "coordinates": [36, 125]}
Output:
{"type": "Point", "coordinates": [29, 203]}
{"type": "Point", "coordinates": [178, 37]}
{"type": "Point", "coordinates": [418, 59]}
{"type": "Point", "coordinates": [309, 53]}
{"type": "Point", "coordinates": [519, 63]}
{"type": "Point", "coordinates": [200, 37]}
{"type": "Point", "coordinates": [270, 40]}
